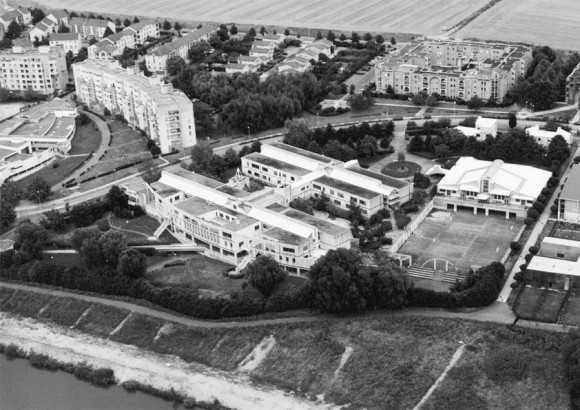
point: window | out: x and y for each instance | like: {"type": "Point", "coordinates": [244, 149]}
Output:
{"type": "Point", "coordinates": [332, 192]}
{"type": "Point", "coordinates": [560, 255]}
{"type": "Point", "coordinates": [289, 250]}
{"type": "Point", "coordinates": [256, 227]}
{"type": "Point", "coordinates": [362, 202]}
{"type": "Point", "coordinates": [316, 186]}
{"type": "Point", "coordinates": [337, 202]}
{"type": "Point", "coordinates": [227, 235]}
{"type": "Point", "coordinates": [255, 166]}
{"type": "Point", "coordinates": [264, 169]}
{"type": "Point", "coordinates": [340, 195]}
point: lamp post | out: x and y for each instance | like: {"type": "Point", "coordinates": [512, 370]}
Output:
{"type": "Point", "coordinates": [248, 132]}
{"type": "Point", "coordinates": [115, 174]}
{"type": "Point", "coordinates": [317, 120]}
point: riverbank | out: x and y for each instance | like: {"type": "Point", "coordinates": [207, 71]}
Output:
{"type": "Point", "coordinates": [129, 363]}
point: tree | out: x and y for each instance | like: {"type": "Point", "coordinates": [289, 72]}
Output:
{"type": "Point", "coordinates": [362, 101]}
{"type": "Point", "coordinates": [263, 30]}
{"type": "Point", "coordinates": [512, 120]}
{"type": "Point", "coordinates": [303, 205]}
{"type": "Point", "coordinates": [174, 65]}
{"type": "Point", "coordinates": [367, 36]}
{"type": "Point", "coordinates": [340, 283]}
{"type": "Point", "coordinates": [379, 39]}
{"type": "Point", "coordinates": [132, 264]}
{"type": "Point", "coordinates": [431, 101]}
{"type": "Point", "coordinates": [118, 22]}
{"type": "Point", "coordinates": [233, 30]}
{"type": "Point", "coordinates": [10, 192]}
{"type": "Point", "coordinates": [419, 99]}
{"type": "Point", "coordinates": [475, 103]}
{"type": "Point", "coordinates": [108, 32]}
{"type": "Point", "coordinates": [198, 51]}
{"type": "Point", "coordinates": [264, 274]}
{"type": "Point", "coordinates": [354, 37]}
{"type": "Point", "coordinates": [80, 235]}
{"type": "Point", "coordinates": [126, 22]}
{"type": "Point", "coordinates": [201, 155]}
{"type": "Point", "coordinates": [393, 41]}
{"type": "Point", "coordinates": [558, 150]}
{"type": "Point", "coordinates": [82, 55]}
{"type": "Point", "coordinates": [117, 198]}
{"type": "Point", "coordinates": [442, 151]}
{"type": "Point", "coordinates": [149, 171]}
{"type": "Point", "coordinates": [330, 36]}
{"type": "Point", "coordinates": [54, 220]}
{"type": "Point", "coordinates": [14, 30]}
{"type": "Point", "coordinates": [256, 147]}
{"type": "Point", "coordinates": [416, 144]}
{"type": "Point", "coordinates": [319, 35]}
{"type": "Point", "coordinates": [297, 133]}
{"type": "Point", "coordinates": [38, 190]}
{"type": "Point", "coordinates": [136, 20]}
{"type": "Point", "coordinates": [177, 27]}
{"type": "Point", "coordinates": [112, 244]}
{"type": "Point", "coordinates": [367, 147]}
{"type": "Point", "coordinates": [252, 32]}
{"type": "Point", "coordinates": [313, 146]}
{"type": "Point", "coordinates": [342, 37]}
{"type": "Point", "coordinates": [31, 239]}
{"type": "Point", "coordinates": [231, 158]}
{"type": "Point", "coordinates": [37, 15]}
{"type": "Point", "coordinates": [7, 213]}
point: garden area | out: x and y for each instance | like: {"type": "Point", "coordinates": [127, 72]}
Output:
{"type": "Point", "coordinates": [401, 169]}
{"type": "Point", "coordinates": [541, 305]}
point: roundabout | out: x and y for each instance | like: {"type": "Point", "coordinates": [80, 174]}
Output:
{"type": "Point", "coordinates": [401, 169]}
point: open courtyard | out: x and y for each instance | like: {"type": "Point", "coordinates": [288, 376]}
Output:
{"type": "Point", "coordinates": [461, 238]}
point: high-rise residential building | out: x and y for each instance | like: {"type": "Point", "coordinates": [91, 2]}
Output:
{"type": "Point", "coordinates": [165, 114]}
{"type": "Point", "coordinates": [41, 69]}
{"type": "Point", "coordinates": [453, 68]}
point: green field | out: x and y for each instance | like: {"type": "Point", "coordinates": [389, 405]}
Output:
{"type": "Point", "coordinates": [540, 305]}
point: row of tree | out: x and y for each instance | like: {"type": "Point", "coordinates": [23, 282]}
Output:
{"type": "Point", "coordinates": [205, 162]}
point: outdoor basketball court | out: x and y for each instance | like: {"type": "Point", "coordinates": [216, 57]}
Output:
{"type": "Point", "coordinates": [461, 238]}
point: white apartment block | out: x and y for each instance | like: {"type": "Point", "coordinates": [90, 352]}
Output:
{"type": "Point", "coordinates": [68, 41]}
{"type": "Point", "coordinates": [297, 173]}
{"type": "Point", "coordinates": [90, 28]}
{"type": "Point", "coordinates": [130, 37]}
{"type": "Point", "coordinates": [43, 29]}
{"type": "Point", "coordinates": [491, 186]}
{"type": "Point", "coordinates": [60, 17]}
{"type": "Point", "coordinates": [142, 31]}
{"type": "Point", "coordinates": [165, 114]}
{"type": "Point", "coordinates": [453, 68]}
{"type": "Point", "coordinates": [569, 199]}
{"type": "Point", "coordinates": [156, 60]}
{"type": "Point", "coordinates": [234, 225]}
{"type": "Point", "coordinates": [41, 69]}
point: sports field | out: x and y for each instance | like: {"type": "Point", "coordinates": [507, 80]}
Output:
{"type": "Point", "coordinates": [406, 16]}
{"type": "Point", "coordinates": [464, 240]}
{"type": "Point", "coordinates": [543, 22]}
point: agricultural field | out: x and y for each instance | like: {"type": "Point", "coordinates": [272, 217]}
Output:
{"type": "Point", "coordinates": [406, 16]}
{"type": "Point", "coordinates": [541, 22]}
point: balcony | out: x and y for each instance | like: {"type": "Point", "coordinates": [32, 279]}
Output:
{"type": "Point", "coordinates": [493, 205]}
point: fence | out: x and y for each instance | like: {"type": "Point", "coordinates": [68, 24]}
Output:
{"type": "Point", "coordinates": [412, 227]}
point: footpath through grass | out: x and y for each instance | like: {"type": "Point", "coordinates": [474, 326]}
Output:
{"type": "Point", "coordinates": [393, 363]}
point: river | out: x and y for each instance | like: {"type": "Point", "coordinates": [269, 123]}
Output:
{"type": "Point", "coordinates": [23, 387]}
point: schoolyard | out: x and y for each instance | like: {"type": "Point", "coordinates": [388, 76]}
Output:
{"type": "Point", "coordinates": [461, 238]}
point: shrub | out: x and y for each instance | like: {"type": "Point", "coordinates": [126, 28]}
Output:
{"type": "Point", "coordinates": [515, 246]}
{"type": "Point", "coordinates": [533, 213]}
{"type": "Point", "coordinates": [534, 250]}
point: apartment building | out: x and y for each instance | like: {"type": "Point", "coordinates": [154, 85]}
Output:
{"type": "Point", "coordinates": [60, 17]}
{"type": "Point", "coordinates": [233, 225]}
{"type": "Point", "coordinates": [20, 15]}
{"type": "Point", "coordinates": [491, 186]}
{"type": "Point", "coordinates": [165, 114]}
{"type": "Point", "coordinates": [114, 44]}
{"type": "Point", "coordinates": [143, 30]}
{"type": "Point", "coordinates": [453, 68]}
{"type": "Point", "coordinates": [297, 173]}
{"type": "Point", "coordinates": [43, 28]}
{"type": "Point", "coordinates": [265, 53]}
{"type": "Point", "coordinates": [569, 199]}
{"type": "Point", "coordinates": [68, 41]}
{"type": "Point", "coordinates": [573, 86]}
{"type": "Point", "coordinates": [156, 60]}
{"type": "Point", "coordinates": [41, 69]}
{"type": "Point", "coordinates": [90, 28]}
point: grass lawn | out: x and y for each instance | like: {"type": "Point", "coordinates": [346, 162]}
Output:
{"type": "Point", "coordinates": [54, 175]}
{"type": "Point", "coordinates": [138, 330]}
{"type": "Point", "coordinates": [102, 319]}
{"type": "Point", "coordinates": [21, 303]}
{"type": "Point", "coordinates": [541, 305]}
{"type": "Point", "coordinates": [201, 272]}
{"type": "Point", "coordinates": [570, 313]}
{"type": "Point", "coordinates": [87, 139]}
{"type": "Point", "coordinates": [140, 228]}
{"type": "Point", "coordinates": [368, 162]}
{"type": "Point", "coordinates": [95, 183]}
{"type": "Point", "coordinates": [401, 169]}
{"type": "Point", "coordinates": [127, 146]}
{"type": "Point", "coordinates": [66, 311]}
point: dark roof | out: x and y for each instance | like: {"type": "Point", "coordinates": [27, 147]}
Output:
{"type": "Point", "coordinates": [386, 180]}
{"type": "Point", "coordinates": [322, 225]}
{"type": "Point", "coordinates": [346, 187]}
{"type": "Point", "coordinates": [63, 36]}
{"type": "Point", "coordinates": [285, 237]}
{"type": "Point", "coordinates": [301, 151]}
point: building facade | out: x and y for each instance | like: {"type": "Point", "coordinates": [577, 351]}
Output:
{"type": "Point", "coordinates": [235, 226]}
{"type": "Point", "coordinates": [297, 173]}
{"type": "Point", "coordinates": [41, 69]}
{"type": "Point", "coordinates": [544, 137]}
{"type": "Point", "coordinates": [556, 266]}
{"type": "Point", "coordinates": [68, 41]}
{"type": "Point", "coordinates": [165, 114]}
{"type": "Point", "coordinates": [453, 68]}
{"type": "Point", "coordinates": [90, 28]}
{"type": "Point", "coordinates": [569, 199]}
{"type": "Point", "coordinates": [573, 86]}
{"type": "Point", "coordinates": [156, 60]}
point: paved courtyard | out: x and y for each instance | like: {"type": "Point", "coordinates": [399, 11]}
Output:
{"type": "Point", "coordinates": [461, 238]}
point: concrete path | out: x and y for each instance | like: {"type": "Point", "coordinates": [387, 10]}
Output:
{"type": "Point", "coordinates": [525, 113]}
{"type": "Point", "coordinates": [105, 140]}
{"type": "Point", "coordinates": [576, 118]}
{"type": "Point", "coordinates": [505, 292]}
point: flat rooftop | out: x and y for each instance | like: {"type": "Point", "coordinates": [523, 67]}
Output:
{"type": "Point", "coordinates": [233, 191]}
{"type": "Point", "coordinates": [322, 225]}
{"type": "Point", "coordinates": [300, 151]}
{"type": "Point", "coordinates": [163, 190]}
{"type": "Point", "coordinates": [564, 233]}
{"type": "Point", "coordinates": [285, 237]}
{"type": "Point", "coordinates": [346, 187]}
{"type": "Point", "coordinates": [199, 207]}
{"type": "Point", "coordinates": [192, 176]}
{"type": "Point", "coordinates": [385, 179]}
{"type": "Point", "coordinates": [274, 163]}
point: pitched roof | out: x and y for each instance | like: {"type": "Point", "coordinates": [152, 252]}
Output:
{"type": "Point", "coordinates": [97, 23]}
{"type": "Point", "coordinates": [184, 41]}
{"type": "Point", "coordinates": [59, 14]}
{"type": "Point", "coordinates": [64, 36]}
{"type": "Point", "coordinates": [141, 24]}
{"type": "Point", "coordinates": [11, 15]}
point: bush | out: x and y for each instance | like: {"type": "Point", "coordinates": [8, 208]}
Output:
{"type": "Point", "coordinates": [533, 213]}
{"type": "Point", "coordinates": [515, 246]}
{"type": "Point", "coordinates": [534, 250]}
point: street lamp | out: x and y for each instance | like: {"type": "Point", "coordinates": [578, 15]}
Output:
{"type": "Point", "coordinates": [38, 196]}
{"type": "Point", "coordinates": [248, 132]}
{"type": "Point", "coordinates": [317, 120]}
{"type": "Point", "coordinates": [115, 174]}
